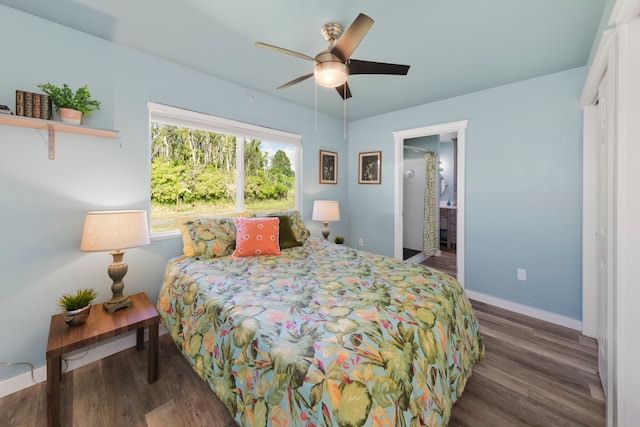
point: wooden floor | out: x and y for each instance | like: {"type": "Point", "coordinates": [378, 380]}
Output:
{"type": "Point", "coordinates": [446, 262]}
{"type": "Point", "coordinates": [534, 374]}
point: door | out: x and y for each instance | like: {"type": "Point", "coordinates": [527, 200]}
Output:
{"type": "Point", "coordinates": [605, 238]}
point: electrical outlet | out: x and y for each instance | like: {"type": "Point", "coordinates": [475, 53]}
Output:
{"type": "Point", "coordinates": [522, 274]}
{"type": "Point", "coordinates": [361, 242]}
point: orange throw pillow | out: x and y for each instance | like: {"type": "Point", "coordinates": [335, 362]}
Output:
{"type": "Point", "coordinates": [257, 236]}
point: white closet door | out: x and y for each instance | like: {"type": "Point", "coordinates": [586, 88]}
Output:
{"type": "Point", "coordinates": [605, 230]}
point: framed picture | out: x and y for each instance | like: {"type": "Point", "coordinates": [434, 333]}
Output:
{"type": "Point", "coordinates": [369, 167]}
{"type": "Point", "coordinates": [328, 167]}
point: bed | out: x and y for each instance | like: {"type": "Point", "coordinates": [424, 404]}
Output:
{"type": "Point", "coordinates": [322, 334]}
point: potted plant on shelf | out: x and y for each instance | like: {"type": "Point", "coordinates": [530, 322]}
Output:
{"type": "Point", "coordinates": [339, 240]}
{"type": "Point", "coordinates": [71, 105]}
{"type": "Point", "coordinates": [76, 307]}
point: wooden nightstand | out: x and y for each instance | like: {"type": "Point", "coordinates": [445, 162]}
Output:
{"type": "Point", "coordinates": [99, 326]}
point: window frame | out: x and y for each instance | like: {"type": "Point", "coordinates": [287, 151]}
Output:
{"type": "Point", "coordinates": [165, 114]}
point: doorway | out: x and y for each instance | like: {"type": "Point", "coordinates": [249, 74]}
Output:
{"type": "Point", "coordinates": [416, 207]}
{"type": "Point", "coordinates": [400, 137]}
{"type": "Point", "coordinates": [415, 203]}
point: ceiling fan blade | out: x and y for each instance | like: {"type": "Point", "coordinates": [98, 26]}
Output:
{"type": "Point", "coordinates": [285, 51]}
{"type": "Point", "coordinates": [344, 91]}
{"type": "Point", "coordinates": [370, 67]}
{"type": "Point", "coordinates": [351, 38]}
{"type": "Point", "coordinates": [296, 81]}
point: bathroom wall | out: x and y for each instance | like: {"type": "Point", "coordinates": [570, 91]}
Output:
{"type": "Point", "coordinates": [447, 158]}
{"type": "Point", "coordinates": [413, 203]}
{"type": "Point", "coordinates": [413, 191]}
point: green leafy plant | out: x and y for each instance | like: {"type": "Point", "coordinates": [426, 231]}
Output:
{"type": "Point", "coordinates": [339, 240]}
{"type": "Point", "coordinates": [81, 299]}
{"type": "Point", "coordinates": [65, 97]}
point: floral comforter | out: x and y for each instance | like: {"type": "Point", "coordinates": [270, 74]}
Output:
{"type": "Point", "coordinates": [323, 335]}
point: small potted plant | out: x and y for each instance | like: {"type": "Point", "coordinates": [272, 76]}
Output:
{"type": "Point", "coordinates": [76, 307]}
{"type": "Point", "coordinates": [71, 105]}
{"type": "Point", "coordinates": [339, 240]}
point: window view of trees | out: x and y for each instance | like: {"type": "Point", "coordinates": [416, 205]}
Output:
{"type": "Point", "coordinates": [194, 172]}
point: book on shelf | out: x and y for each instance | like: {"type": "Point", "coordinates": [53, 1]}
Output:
{"type": "Point", "coordinates": [36, 105]}
{"type": "Point", "coordinates": [45, 107]}
{"type": "Point", "coordinates": [19, 103]}
{"type": "Point", "coordinates": [28, 104]}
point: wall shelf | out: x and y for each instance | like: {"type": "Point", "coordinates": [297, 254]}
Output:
{"type": "Point", "coordinates": [54, 126]}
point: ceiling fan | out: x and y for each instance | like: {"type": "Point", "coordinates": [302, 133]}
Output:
{"type": "Point", "coordinates": [334, 65]}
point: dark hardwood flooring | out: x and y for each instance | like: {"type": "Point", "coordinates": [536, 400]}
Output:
{"type": "Point", "coordinates": [446, 262]}
{"type": "Point", "coordinates": [534, 374]}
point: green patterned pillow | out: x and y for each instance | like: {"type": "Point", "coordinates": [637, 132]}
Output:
{"type": "Point", "coordinates": [300, 231]}
{"type": "Point", "coordinates": [212, 237]}
{"type": "Point", "coordinates": [286, 238]}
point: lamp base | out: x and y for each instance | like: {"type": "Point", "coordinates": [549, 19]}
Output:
{"type": "Point", "coordinates": [117, 271]}
{"type": "Point", "coordinates": [325, 230]}
{"type": "Point", "coordinates": [111, 306]}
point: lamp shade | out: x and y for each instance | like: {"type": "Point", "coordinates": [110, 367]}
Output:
{"type": "Point", "coordinates": [113, 230]}
{"type": "Point", "coordinates": [325, 211]}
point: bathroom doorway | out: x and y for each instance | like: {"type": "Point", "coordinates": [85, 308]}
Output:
{"type": "Point", "coordinates": [454, 194]}
{"type": "Point", "coordinates": [417, 212]}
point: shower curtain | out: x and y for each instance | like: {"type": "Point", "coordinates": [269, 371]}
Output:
{"type": "Point", "coordinates": [430, 238]}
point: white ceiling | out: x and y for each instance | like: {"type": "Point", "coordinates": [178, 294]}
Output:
{"type": "Point", "coordinates": [453, 46]}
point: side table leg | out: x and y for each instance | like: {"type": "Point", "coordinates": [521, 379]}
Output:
{"type": "Point", "coordinates": [140, 339]}
{"type": "Point", "coordinates": [153, 353]}
{"type": "Point", "coordinates": [54, 367]}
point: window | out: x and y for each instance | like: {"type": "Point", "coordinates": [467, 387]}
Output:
{"type": "Point", "coordinates": [209, 166]}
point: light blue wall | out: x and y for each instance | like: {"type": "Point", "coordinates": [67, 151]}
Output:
{"type": "Point", "coordinates": [523, 187]}
{"type": "Point", "coordinates": [523, 176]}
{"type": "Point", "coordinates": [604, 25]}
{"type": "Point", "coordinates": [43, 202]}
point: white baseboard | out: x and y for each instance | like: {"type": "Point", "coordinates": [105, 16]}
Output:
{"type": "Point", "coordinates": [526, 310]}
{"type": "Point", "coordinates": [22, 381]}
{"type": "Point", "coordinates": [417, 258]}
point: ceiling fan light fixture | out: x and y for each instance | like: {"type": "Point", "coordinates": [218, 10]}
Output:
{"type": "Point", "coordinates": [331, 74]}
{"type": "Point", "coordinates": [334, 65]}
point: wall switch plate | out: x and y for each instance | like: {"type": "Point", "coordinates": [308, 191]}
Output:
{"type": "Point", "coordinates": [361, 242]}
{"type": "Point", "coordinates": [522, 274]}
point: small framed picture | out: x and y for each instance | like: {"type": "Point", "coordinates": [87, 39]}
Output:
{"type": "Point", "coordinates": [328, 167]}
{"type": "Point", "coordinates": [369, 167]}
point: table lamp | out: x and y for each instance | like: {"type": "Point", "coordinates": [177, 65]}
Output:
{"type": "Point", "coordinates": [326, 211]}
{"type": "Point", "coordinates": [114, 231]}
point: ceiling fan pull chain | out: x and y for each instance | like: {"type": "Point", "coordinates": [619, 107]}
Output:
{"type": "Point", "coordinates": [345, 112]}
{"type": "Point", "coordinates": [315, 125]}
